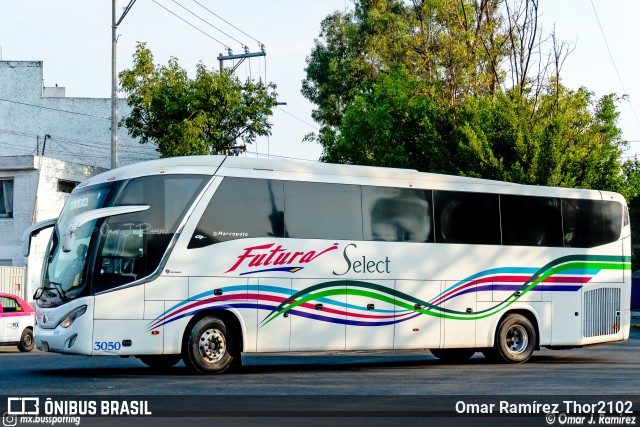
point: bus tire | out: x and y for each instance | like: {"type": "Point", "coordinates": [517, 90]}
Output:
{"type": "Point", "coordinates": [160, 361]}
{"type": "Point", "coordinates": [515, 340]}
{"type": "Point", "coordinates": [454, 355]}
{"type": "Point", "coordinates": [26, 341]}
{"type": "Point", "coordinates": [208, 347]}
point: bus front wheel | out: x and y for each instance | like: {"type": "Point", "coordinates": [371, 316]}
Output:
{"type": "Point", "coordinates": [208, 347]}
{"type": "Point", "coordinates": [515, 340]}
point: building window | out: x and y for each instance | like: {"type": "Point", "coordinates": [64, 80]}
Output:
{"type": "Point", "coordinates": [6, 198]}
{"type": "Point", "coordinates": [65, 186]}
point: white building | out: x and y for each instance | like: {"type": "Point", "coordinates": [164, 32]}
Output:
{"type": "Point", "coordinates": [75, 135]}
{"type": "Point", "coordinates": [76, 129]}
{"type": "Point", "coordinates": [33, 189]}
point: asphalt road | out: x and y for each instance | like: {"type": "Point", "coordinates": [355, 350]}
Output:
{"type": "Point", "coordinates": [413, 381]}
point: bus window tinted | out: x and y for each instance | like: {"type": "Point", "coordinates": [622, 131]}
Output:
{"type": "Point", "coordinates": [472, 218]}
{"type": "Point", "coordinates": [242, 208]}
{"type": "Point", "coordinates": [133, 245]}
{"type": "Point", "coordinates": [397, 214]}
{"type": "Point", "coordinates": [589, 223]}
{"type": "Point", "coordinates": [531, 221]}
{"type": "Point", "coordinates": [323, 211]}
{"type": "Point", "coordinates": [612, 213]}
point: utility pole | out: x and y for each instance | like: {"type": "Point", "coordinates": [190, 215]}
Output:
{"type": "Point", "coordinates": [114, 80]}
{"type": "Point", "coordinates": [241, 56]}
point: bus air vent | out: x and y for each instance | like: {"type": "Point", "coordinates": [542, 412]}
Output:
{"type": "Point", "coordinates": [601, 313]}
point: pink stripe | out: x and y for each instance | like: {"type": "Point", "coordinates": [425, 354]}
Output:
{"type": "Point", "coordinates": [16, 314]}
{"type": "Point", "coordinates": [350, 314]}
{"type": "Point", "coordinates": [266, 297]}
{"type": "Point", "coordinates": [517, 279]}
{"type": "Point", "coordinates": [219, 298]}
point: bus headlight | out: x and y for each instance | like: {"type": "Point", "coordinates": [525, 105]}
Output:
{"type": "Point", "coordinates": [68, 321]}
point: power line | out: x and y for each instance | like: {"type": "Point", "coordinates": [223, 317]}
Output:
{"type": "Point", "coordinates": [613, 62]}
{"type": "Point", "coordinates": [81, 142]}
{"type": "Point", "coordinates": [209, 23]}
{"type": "Point", "coordinates": [227, 22]}
{"type": "Point", "coordinates": [190, 24]}
{"type": "Point", "coordinates": [53, 109]}
{"type": "Point", "coordinates": [298, 118]}
{"type": "Point", "coordinates": [279, 157]}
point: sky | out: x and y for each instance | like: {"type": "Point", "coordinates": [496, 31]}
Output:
{"type": "Point", "coordinates": [73, 38]}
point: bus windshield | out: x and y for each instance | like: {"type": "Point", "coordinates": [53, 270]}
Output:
{"type": "Point", "coordinates": [64, 274]}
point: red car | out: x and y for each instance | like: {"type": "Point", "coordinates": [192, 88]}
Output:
{"type": "Point", "coordinates": [16, 322]}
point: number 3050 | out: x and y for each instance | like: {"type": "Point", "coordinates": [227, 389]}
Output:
{"type": "Point", "coordinates": [107, 346]}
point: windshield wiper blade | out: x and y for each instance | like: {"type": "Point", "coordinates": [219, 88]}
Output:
{"type": "Point", "coordinates": [61, 292]}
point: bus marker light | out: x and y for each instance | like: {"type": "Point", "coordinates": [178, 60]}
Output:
{"type": "Point", "coordinates": [155, 332]}
{"type": "Point", "coordinates": [416, 329]}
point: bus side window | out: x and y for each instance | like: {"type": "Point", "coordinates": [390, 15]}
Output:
{"type": "Point", "coordinates": [613, 213]}
{"type": "Point", "coordinates": [397, 214]}
{"type": "Point", "coordinates": [132, 245]}
{"type": "Point", "coordinates": [531, 221]}
{"type": "Point", "coordinates": [471, 218]}
{"type": "Point", "coordinates": [590, 223]}
{"type": "Point", "coordinates": [121, 257]}
{"type": "Point", "coordinates": [316, 210]}
{"type": "Point", "coordinates": [241, 208]}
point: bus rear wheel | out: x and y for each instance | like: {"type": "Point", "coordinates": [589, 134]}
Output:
{"type": "Point", "coordinates": [208, 347]}
{"type": "Point", "coordinates": [454, 355]}
{"type": "Point", "coordinates": [515, 340]}
{"type": "Point", "coordinates": [160, 361]}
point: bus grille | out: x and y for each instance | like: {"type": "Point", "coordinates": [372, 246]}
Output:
{"type": "Point", "coordinates": [601, 312]}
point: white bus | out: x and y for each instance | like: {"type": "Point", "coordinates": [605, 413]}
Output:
{"type": "Point", "coordinates": [206, 258]}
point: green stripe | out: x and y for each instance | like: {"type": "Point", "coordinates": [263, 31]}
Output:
{"type": "Point", "coordinates": [600, 262]}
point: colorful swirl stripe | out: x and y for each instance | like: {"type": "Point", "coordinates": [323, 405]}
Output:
{"type": "Point", "coordinates": [566, 274]}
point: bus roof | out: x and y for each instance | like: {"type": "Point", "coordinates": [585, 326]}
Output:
{"type": "Point", "coordinates": [327, 172]}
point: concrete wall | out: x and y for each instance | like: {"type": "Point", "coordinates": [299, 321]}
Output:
{"type": "Point", "coordinates": [12, 281]}
{"type": "Point", "coordinates": [35, 189]}
{"type": "Point", "coordinates": [22, 169]}
{"type": "Point", "coordinates": [29, 111]}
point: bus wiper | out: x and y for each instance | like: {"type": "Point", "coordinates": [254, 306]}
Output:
{"type": "Point", "coordinates": [61, 291]}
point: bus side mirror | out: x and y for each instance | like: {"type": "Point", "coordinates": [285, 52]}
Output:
{"type": "Point", "coordinates": [33, 231]}
{"type": "Point", "coordinates": [68, 232]}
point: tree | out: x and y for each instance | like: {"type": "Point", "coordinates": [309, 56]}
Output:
{"type": "Point", "coordinates": [183, 116]}
{"type": "Point", "coordinates": [392, 124]}
{"type": "Point", "coordinates": [461, 87]}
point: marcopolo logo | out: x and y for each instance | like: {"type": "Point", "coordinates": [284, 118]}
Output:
{"type": "Point", "coordinates": [270, 257]}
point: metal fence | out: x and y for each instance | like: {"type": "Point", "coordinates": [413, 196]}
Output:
{"type": "Point", "coordinates": [13, 280]}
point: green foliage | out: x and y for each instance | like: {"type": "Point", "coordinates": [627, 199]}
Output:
{"type": "Point", "coordinates": [183, 116]}
{"type": "Point", "coordinates": [447, 86]}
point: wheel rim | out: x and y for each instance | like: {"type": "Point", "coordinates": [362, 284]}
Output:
{"type": "Point", "coordinates": [517, 339]}
{"type": "Point", "coordinates": [212, 345]}
{"type": "Point", "coordinates": [27, 340]}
